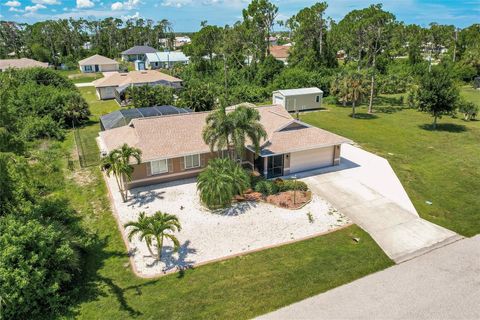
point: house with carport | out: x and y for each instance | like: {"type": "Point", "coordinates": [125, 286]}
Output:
{"type": "Point", "coordinates": [98, 63]}
{"type": "Point", "coordinates": [173, 148]}
{"type": "Point", "coordinates": [165, 60]}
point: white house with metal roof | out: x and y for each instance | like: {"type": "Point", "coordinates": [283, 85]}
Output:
{"type": "Point", "coordinates": [298, 99]}
{"type": "Point", "coordinates": [165, 60]}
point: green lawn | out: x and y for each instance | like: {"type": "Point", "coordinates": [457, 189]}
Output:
{"type": "Point", "coordinates": [238, 288]}
{"type": "Point", "coordinates": [77, 77]}
{"type": "Point", "coordinates": [441, 166]}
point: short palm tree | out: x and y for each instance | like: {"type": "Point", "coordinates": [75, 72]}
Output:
{"type": "Point", "coordinates": [118, 162]}
{"type": "Point", "coordinates": [157, 227]}
{"type": "Point", "coordinates": [220, 182]}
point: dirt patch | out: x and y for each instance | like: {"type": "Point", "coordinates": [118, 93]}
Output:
{"type": "Point", "coordinates": [290, 199]}
{"type": "Point", "coordinates": [82, 177]}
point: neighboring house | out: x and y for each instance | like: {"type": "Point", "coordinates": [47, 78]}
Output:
{"type": "Point", "coordinates": [165, 60]}
{"type": "Point", "coordinates": [114, 85]}
{"type": "Point", "coordinates": [98, 63]}
{"type": "Point", "coordinates": [123, 117]}
{"type": "Point", "coordinates": [298, 99]}
{"type": "Point", "coordinates": [173, 148]}
{"type": "Point", "coordinates": [21, 63]}
{"type": "Point", "coordinates": [280, 53]}
{"type": "Point", "coordinates": [181, 41]}
{"type": "Point", "coordinates": [137, 53]}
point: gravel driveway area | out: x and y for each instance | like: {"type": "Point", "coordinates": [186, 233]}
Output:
{"type": "Point", "coordinates": [208, 236]}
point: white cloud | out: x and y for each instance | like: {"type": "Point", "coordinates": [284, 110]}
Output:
{"type": "Point", "coordinates": [13, 9]}
{"type": "Point", "coordinates": [13, 3]}
{"type": "Point", "coordinates": [125, 5]}
{"type": "Point", "coordinates": [34, 8]}
{"type": "Point", "coordinates": [133, 16]}
{"type": "Point", "coordinates": [84, 4]}
{"type": "Point", "coordinates": [176, 3]}
{"type": "Point", "coordinates": [46, 1]}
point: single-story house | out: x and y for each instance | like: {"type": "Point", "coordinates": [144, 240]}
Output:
{"type": "Point", "coordinates": [298, 99]}
{"type": "Point", "coordinates": [98, 63]}
{"type": "Point", "coordinates": [172, 146]}
{"type": "Point", "coordinates": [280, 53]}
{"type": "Point", "coordinates": [21, 63]}
{"type": "Point", "coordinates": [137, 53]}
{"type": "Point", "coordinates": [165, 60]}
{"type": "Point", "coordinates": [115, 85]}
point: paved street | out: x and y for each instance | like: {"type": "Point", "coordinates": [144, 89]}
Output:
{"type": "Point", "coordinates": [442, 284]}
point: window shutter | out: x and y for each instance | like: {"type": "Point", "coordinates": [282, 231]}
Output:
{"type": "Point", "coordinates": [182, 163]}
{"type": "Point", "coordinates": [149, 168]}
{"type": "Point", "coordinates": [170, 165]}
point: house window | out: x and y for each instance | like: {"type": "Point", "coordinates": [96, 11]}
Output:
{"type": "Point", "coordinates": [88, 68]}
{"type": "Point", "coordinates": [317, 99]}
{"type": "Point", "coordinates": [159, 166]}
{"type": "Point", "coordinates": [192, 161]}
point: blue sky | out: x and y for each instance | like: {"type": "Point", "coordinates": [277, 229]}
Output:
{"type": "Point", "coordinates": [186, 15]}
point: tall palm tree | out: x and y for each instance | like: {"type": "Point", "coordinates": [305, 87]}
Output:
{"type": "Point", "coordinates": [230, 130]}
{"type": "Point", "coordinates": [356, 89]}
{"type": "Point", "coordinates": [158, 227]}
{"type": "Point", "coordinates": [118, 162]}
{"type": "Point", "coordinates": [216, 132]}
{"type": "Point", "coordinates": [246, 124]}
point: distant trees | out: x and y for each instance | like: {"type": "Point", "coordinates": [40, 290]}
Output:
{"type": "Point", "coordinates": [148, 96]}
{"type": "Point", "coordinates": [437, 94]}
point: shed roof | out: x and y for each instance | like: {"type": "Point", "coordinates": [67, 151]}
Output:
{"type": "Point", "coordinates": [300, 91]}
{"type": "Point", "coordinates": [96, 59]}
{"type": "Point", "coordinates": [139, 50]}
{"type": "Point", "coordinates": [173, 56]}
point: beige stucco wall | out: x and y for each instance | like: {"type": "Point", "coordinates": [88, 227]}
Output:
{"type": "Point", "coordinates": [104, 93]}
{"type": "Point", "coordinates": [109, 67]}
{"type": "Point", "coordinates": [303, 102]}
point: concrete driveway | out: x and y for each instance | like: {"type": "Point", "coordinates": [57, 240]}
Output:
{"type": "Point", "coordinates": [365, 189]}
{"type": "Point", "coordinates": [442, 284]}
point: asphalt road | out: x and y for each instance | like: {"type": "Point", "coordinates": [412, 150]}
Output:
{"type": "Point", "coordinates": [441, 284]}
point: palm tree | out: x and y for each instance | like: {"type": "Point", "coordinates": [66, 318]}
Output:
{"type": "Point", "coordinates": [220, 182]}
{"type": "Point", "coordinates": [246, 124]}
{"type": "Point", "coordinates": [229, 130]}
{"type": "Point", "coordinates": [339, 88]}
{"type": "Point", "coordinates": [356, 89]}
{"type": "Point", "coordinates": [216, 132]}
{"type": "Point", "coordinates": [156, 227]}
{"type": "Point", "coordinates": [118, 162]}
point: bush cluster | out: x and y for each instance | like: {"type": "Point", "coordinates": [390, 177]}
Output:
{"type": "Point", "coordinates": [268, 187]}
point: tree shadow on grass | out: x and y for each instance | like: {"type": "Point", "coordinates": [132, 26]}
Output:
{"type": "Point", "coordinates": [447, 127]}
{"type": "Point", "coordinates": [364, 116]}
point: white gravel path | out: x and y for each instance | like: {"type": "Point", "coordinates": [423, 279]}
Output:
{"type": "Point", "coordinates": [208, 236]}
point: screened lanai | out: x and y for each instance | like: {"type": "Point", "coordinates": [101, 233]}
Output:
{"type": "Point", "coordinates": [123, 117]}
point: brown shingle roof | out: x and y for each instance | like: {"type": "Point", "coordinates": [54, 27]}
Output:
{"type": "Point", "coordinates": [21, 63]}
{"type": "Point", "coordinates": [180, 135]}
{"type": "Point", "coordinates": [280, 52]}
{"type": "Point", "coordinates": [135, 77]}
{"type": "Point", "coordinates": [96, 59]}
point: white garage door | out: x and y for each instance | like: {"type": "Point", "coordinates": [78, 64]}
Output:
{"type": "Point", "coordinates": [311, 159]}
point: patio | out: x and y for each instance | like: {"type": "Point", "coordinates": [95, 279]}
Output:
{"type": "Point", "coordinates": [208, 236]}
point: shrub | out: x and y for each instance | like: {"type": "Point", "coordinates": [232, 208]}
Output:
{"type": "Point", "coordinates": [287, 185]}
{"type": "Point", "coordinates": [266, 187]}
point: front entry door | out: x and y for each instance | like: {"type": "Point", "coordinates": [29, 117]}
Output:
{"type": "Point", "coordinates": [275, 166]}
